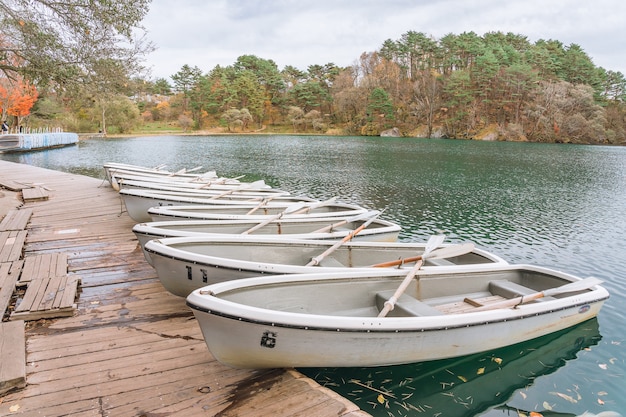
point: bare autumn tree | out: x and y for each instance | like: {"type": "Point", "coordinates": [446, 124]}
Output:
{"type": "Point", "coordinates": [66, 42]}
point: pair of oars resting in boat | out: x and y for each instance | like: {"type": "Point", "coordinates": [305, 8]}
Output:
{"type": "Point", "coordinates": [430, 252]}
{"type": "Point", "coordinates": [296, 208]}
{"type": "Point", "coordinates": [583, 284]}
{"type": "Point", "coordinates": [372, 216]}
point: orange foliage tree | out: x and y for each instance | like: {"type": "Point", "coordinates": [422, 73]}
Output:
{"type": "Point", "coordinates": [17, 98]}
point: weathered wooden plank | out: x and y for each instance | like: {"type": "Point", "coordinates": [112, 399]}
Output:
{"type": "Point", "coordinates": [43, 314]}
{"type": "Point", "coordinates": [35, 194]}
{"type": "Point", "coordinates": [43, 265]}
{"type": "Point", "coordinates": [48, 297]}
{"type": "Point", "coordinates": [12, 356]}
{"type": "Point", "coordinates": [11, 245]}
{"type": "Point", "coordinates": [30, 296]}
{"type": "Point", "coordinates": [104, 352]}
{"type": "Point", "coordinates": [16, 219]}
{"type": "Point", "coordinates": [67, 297]}
{"type": "Point", "coordinates": [28, 271]}
{"type": "Point", "coordinates": [8, 278]}
{"type": "Point", "coordinates": [468, 304]}
{"type": "Point", "coordinates": [60, 262]}
{"type": "Point", "coordinates": [43, 269]}
{"type": "Point", "coordinates": [55, 286]}
{"type": "Point", "coordinates": [133, 357]}
{"type": "Point", "coordinates": [11, 185]}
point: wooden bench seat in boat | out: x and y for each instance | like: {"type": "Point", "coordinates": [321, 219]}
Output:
{"type": "Point", "coordinates": [405, 306]}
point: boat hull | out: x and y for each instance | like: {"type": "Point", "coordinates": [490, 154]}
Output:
{"type": "Point", "coordinates": [138, 202]}
{"type": "Point", "coordinates": [291, 331]}
{"type": "Point", "coordinates": [115, 170]}
{"type": "Point", "coordinates": [239, 212]}
{"type": "Point", "coordinates": [187, 263]}
{"type": "Point", "coordinates": [377, 231]}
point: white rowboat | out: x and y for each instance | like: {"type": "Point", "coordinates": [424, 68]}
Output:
{"type": "Point", "coordinates": [179, 186]}
{"type": "Point", "coordinates": [331, 319]}
{"type": "Point", "coordinates": [187, 263]}
{"type": "Point", "coordinates": [111, 169]}
{"type": "Point", "coordinates": [241, 211]}
{"type": "Point", "coordinates": [317, 228]}
{"type": "Point", "coordinates": [138, 202]}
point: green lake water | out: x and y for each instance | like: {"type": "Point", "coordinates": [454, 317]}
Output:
{"type": "Point", "coordinates": [560, 206]}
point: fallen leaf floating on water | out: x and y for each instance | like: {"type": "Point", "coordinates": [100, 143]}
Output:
{"type": "Point", "coordinates": [480, 371]}
{"type": "Point", "coordinates": [547, 406]}
{"type": "Point", "coordinates": [535, 414]}
{"type": "Point", "coordinates": [600, 401]}
{"type": "Point", "coordinates": [381, 398]}
{"type": "Point", "coordinates": [462, 378]}
{"type": "Point", "coordinates": [565, 397]}
{"type": "Point", "coordinates": [603, 366]}
{"type": "Point", "coordinates": [497, 360]}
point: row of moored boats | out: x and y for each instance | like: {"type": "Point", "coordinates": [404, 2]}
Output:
{"type": "Point", "coordinates": [278, 280]}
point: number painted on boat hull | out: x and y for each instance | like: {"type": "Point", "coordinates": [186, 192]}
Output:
{"type": "Point", "coordinates": [268, 339]}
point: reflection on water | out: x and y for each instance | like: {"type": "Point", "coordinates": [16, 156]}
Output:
{"type": "Point", "coordinates": [462, 386]}
{"type": "Point", "coordinates": [555, 205]}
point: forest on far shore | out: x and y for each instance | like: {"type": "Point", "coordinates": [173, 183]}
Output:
{"type": "Point", "coordinates": [498, 86]}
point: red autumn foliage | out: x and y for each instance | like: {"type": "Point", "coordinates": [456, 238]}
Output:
{"type": "Point", "coordinates": [17, 98]}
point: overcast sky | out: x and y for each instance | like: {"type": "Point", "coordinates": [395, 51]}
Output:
{"type": "Point", "coordinates": [206, 33]}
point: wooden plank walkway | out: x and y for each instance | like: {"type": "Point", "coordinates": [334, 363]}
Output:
{"type": "Point", "coordinates": [9, 274]}
{"type": "Point", "coordinates": [131, 348]}
{"type": "Point", "coordinates": [16, 220]}
{"type": "Point", "coordinates": [11, 245]}
{"type": "Point", "coordinates": [13, 365]}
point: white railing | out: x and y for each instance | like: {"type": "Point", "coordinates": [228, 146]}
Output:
{"type": "Point", "coordinates": [28, 130]}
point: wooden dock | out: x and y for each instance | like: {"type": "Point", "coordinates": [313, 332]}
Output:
{"type": "Point", "coordinates": [128, 347]}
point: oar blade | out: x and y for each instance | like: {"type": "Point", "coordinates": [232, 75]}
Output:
{"type": "Point", "coordinates": [433, 242]}
{"type": "Point", "coordinates": [294, 207]}
{"type": "Point", "coordinates": [363, 216]}
{"type": "Point", "coordinates": [583, 284]}
{"type": "Point", "coordinates": [450, 251]}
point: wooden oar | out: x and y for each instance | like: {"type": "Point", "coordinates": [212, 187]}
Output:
{"type": "Point", "coordinates": [432, 243]}
{"type": "Point", "coordinates": [441, 253]}
{"type": "Point", "coordinates": [242, 187]}
{"type": "Point", "coordinates": [318, 259]}
{"type": "Point", "coordinates": [261, 204]}
{"type": "Point", "coordinates": [290, 209]}
{"type": "Point", "coordinates": [583, 284]}
{"type": "Point", "coordinates": [446, 252]}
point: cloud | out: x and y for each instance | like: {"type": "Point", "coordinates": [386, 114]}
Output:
{"type": "Point", "coordinates": [302, 33]}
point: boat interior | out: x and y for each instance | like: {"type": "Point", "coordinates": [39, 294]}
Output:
{"type": "Point", "coordinates": [426, 295]}
{"type": "Point", "coordinates": [291, 253]}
